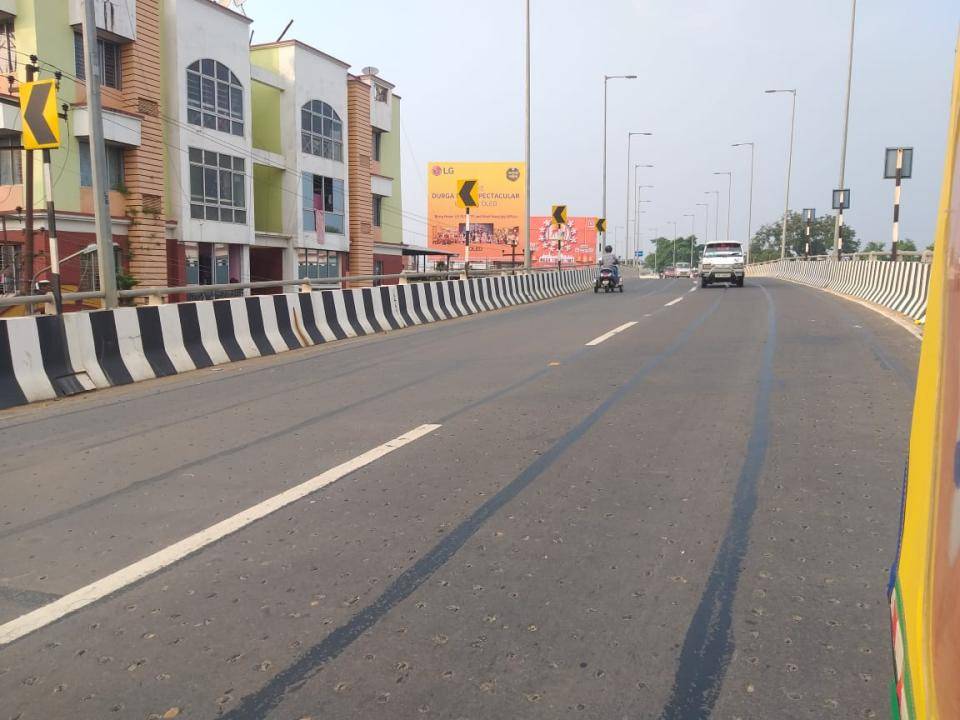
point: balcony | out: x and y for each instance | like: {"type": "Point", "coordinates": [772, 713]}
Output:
{"type": "Point", "coordinates": [116, 19]}
{"type": "Point", "coordinates": [120, 128]}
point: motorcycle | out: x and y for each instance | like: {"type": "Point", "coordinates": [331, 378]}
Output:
{"type": "Point", "coordinates": [608, 281]}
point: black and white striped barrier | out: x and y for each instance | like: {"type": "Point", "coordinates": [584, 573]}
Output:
{"type": "Point", "coordinates": [898, 286]}
{"type": "Point", "coordinates": [116, 347]}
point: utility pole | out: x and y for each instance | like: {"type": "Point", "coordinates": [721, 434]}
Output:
{"type": "Point", "coordinates": [526, 138]}
{"type": "Point", "coordinates": [838, 223]}
{"type": "Point", "coordinates": [98, 160]}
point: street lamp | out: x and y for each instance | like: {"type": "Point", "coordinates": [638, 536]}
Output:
{"type": "Point", "coordinates": [838, 223]}
{"type": "Point", "coordinates": [674, 223]}
{"type": "Point", "coordinates": [636, 222]}
{"type": "Point", "coordinates": [606, 79]}
{"type": "Point", "coordinates": [786, 209]}
{"type": "Point", "coordinates": [706, 220]}
{"type": "Point", "coordinates": [729, 196]}
{"type": "Point", "coordinates": [627, 207]}
{"type": "Point", "coordinates": [750, 210]}
{"type": "Point", "coordinates": [693, 231]}
{"type": "Point", "coordinates": [716, 214]}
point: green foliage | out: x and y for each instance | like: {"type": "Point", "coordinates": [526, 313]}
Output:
{"type": "Point", "coordinates": [664, 254]}
{"type": "Point", "coordinates": [765, 244]}
{"type": "Point", "coordinates": [907, 245]}
{"type": "Point", "coordinates": [874, 246]}
{"type": "Point", "coordinates": [126, 281]}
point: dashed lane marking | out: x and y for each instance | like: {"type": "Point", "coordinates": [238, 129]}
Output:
{"type": "Point", "coordinates": [674, 302]}
{"type": "Point", "coordinates": [151, 564]}
{"type": "Point", "coordinates": [608, 335]}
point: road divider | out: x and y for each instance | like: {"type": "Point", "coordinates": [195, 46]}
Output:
{"type": "Point", "coordinates": [610, 334]}
{"type": "Point", "coordinates": [99, 589]}
{"type": "Point", "coordinates": [106, 348]}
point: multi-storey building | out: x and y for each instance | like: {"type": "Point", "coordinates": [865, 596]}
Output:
{"type": "Point", "coordinates": [227, 162]}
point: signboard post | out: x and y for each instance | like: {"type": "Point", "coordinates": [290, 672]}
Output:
{"type": "Point", "coordinates": [467, 198]}
{"type": "Point", "coordinates": [809, 214]}
{"type": "Point", "coordinates": [559, 215]}
{"type": "Point", "coordinates": [41, 131]}
{"type": "Point", "coordinates": [841, 202]}
{"type": "Point", "coordinates": [898, 165]}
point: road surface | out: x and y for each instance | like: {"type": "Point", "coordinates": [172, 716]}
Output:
{"type": "Point", "coordinates": [690, 517]}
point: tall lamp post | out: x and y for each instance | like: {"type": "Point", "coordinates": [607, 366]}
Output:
{"type": "Point", "coordinates": [838, 223]}
{"type": "Point", "coordinates": [629, 184]}
{"type": "Point", "coordinates": [716, 213]}
{"type": "Point", "coordinates": [636, 168]}
{"type": "Point", "coordinates": [674, 223]}
{"type": "Point", "coordinates": [526, 136]}
{"type": "Point", "coordinates": [693, 232]}
{"type": "Point", "coordinates": [603, 183]}
{"type": "Point", "coordinates": [636, 222]}
{"type": "Point", "coordinates": [786, 208]}
{"type": "Point", "coordinates": [750, 206]}
{"type": "Point", "coordinates": [729, 197]}
{"type": "Point", "coordinates": [706, 219]}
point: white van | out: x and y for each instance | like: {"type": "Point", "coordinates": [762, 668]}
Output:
{"type": "Point", "coordinates": [722, 262]}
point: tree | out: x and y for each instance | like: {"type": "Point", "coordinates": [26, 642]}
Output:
{"type": "Point", "coordinates": [874, 246]}
{"type": "Point", "coordinates": [930, 247]}
{"type": "Point", "coordinates": [906, 245]}
{"type": "Point", "coordinates": [765, 244]}
{"type": "Point", "coordinates": [663, 256]}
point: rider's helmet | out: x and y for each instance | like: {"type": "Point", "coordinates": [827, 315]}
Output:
{"type": "Point", "coordinates": [608, 248]}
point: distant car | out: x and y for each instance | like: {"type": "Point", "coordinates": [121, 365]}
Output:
{"type": "Point", "coordinates": [684, 270]}
{"type": "Point", "coordinates": [670, 271]}
{"type": "Point", "coordinates": [722, 262]}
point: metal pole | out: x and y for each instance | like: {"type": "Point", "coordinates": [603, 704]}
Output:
{"type": "Point", "coordinates": [98, 157]}
{"type": "Point", "coordinates": [526, 138]}
{"type": "Point", "coordinates": [896, 206]}
{"type": "Point", "coordinates": [29, 248]}
{"type": "Point", "coordinates": [750, 210]}
{"type": "Point", "coordinates": [603, 183]}
{"type": "Point", "coordinates": [716, 216]}
{"type": "Point", "coordinates": [706, 220]}
{"type": "Point", "coordinates": [786, 208]}
{"type": "Point", "coordinates": [729, 197]}
{"type": "Point", "coordinates": [636, 224]}
{"type": "Point", "coordinates": [626, 227]}
{"type": "Point", "coordinates": [837, 236]}
{"type": "Point", "coordinates": [52, 235]}
{"type": "Point", "coordinates": [466, 249]}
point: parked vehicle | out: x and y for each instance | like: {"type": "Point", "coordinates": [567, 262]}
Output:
{"type": "Point", "coordinates": [722, 262]}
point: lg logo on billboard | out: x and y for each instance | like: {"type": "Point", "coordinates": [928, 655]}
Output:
{"type": "Point", "coordinates": [437, 170]}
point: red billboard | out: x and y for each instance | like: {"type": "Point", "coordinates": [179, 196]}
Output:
{"type": "Point", "coordinates": [575, 242]}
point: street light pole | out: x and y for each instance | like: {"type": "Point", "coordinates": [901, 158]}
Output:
{"type": "Point", "coordinates": [706, 220]}
{"type": "Point", "coordinates": [627, 204]}
{"type": "Point", "coordinates": [786, 209]}
{"type": "Point", "coordinates": [603, 182]}
{"type": "Point", "coordinates": [729, 196]}
{"type": "Point", "coordinates": [750, 210]}
{"type": "Point", "coordinates": [526, 136]}
{"type": "Point", "coordinates": [693, 232]}
{"type": "Point", "coordinates": [674, 223]}
{"type": "Point", "coordinates": [838, 223]}
{"type": "Point", "coordinates": [636, 222]}
{"type": "Point", "coordinates": [716, 214]}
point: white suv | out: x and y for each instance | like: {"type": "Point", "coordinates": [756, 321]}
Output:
{"type": "Point", "coordinates": [684, 269]}
{"type": "Point", "coordinates": [721, 262]}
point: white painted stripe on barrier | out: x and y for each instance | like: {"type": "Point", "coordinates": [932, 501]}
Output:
{"type": "Point", "coordinates": [130, 345]}
{"type": "Point", "coordinates": [116, 581]}
{"type": "Point", "coordinates": [320, 317]}
{"type": "Point", "coordinates": [27, 359]}
{"type": "Point", "coordinates": [173, 343]}
{"type": "Point", "coordinates": [421, 290]}
{"type": "Point", "coordinates": [394, 292]}
{"type": "Point", "coordinates": [82, 350]}
{"type": "Point", "coordinates": [361, 310]}
{"type": "Point", "coordinates": [208, 333]}
{"type": "Point", "coordinates": [268, 311]}
{"type": "Point", "coordinates": [379, 312]}
{"type": "Point", "coordinates": [340, 307]}
{"type": "Point", "coordinates": [241, 327]}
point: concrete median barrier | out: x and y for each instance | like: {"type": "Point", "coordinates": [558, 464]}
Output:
{"type": "Point", "coordinates": [105, 348]}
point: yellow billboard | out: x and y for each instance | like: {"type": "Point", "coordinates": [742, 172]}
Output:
{"type": "Point", "coordinates": [495, 224]}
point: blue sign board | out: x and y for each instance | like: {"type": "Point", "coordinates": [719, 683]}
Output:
{"type": "Point", "coordinates": [638, 253]}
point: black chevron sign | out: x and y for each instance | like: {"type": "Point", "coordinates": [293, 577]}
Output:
{"type": "Point", "coordinates": [467, 193]}
{"type": "Point", "coordinates": [38, 103]}
{"type": "Point", "coordinates": [559, 215]}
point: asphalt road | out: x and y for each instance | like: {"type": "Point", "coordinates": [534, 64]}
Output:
{"type": "Point", "coordinates": [691, 518]}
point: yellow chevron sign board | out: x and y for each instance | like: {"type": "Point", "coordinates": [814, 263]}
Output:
{"type": "Point", "coordinates": [925, 614]}
{"type": "Point", "coordinates": [38, 109]}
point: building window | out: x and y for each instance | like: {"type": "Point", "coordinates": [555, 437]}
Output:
{"type": "Point", "coordinates": [114, 166]}
{"type": "Point", "coordinates": [10, 160]}
{"type": "Point", "coordinates": [108, 55]}
{"type": "Point", "coordinates": [9, 268]}
{"type": "Point", "coordinates": [8, 49]}
{"type": "Point", "coordinates": [377, 210]}
{"type": "Point", "coordinates": [377, 143]}
{"type": "Point", "coordinates": [321, 131]}
{"type": "Point", "coordinates": [217, 186]}
{"type": "Point", "coordinates": [214, 97]}
{"type": "Point", "coordinates": [317, 264]}
{"type": "Point", "coordinates": [323, 195]}
{"type": "Point", "coordinates": [381, 93]}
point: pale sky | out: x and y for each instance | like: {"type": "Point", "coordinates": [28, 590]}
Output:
{"type": "Point", "coordinates": [702, 66]}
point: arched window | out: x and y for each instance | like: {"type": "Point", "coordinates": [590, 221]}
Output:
{"type": "Point", "coordinates": [321, 131]}
{"type": "Point", "coordinates": [214, 97]}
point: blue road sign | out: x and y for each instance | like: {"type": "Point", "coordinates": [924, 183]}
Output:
{"type": "Point", "coordinates": [638, 253]}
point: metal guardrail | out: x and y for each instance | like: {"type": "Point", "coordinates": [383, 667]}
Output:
{"type": "Point", "coordinates": [156, 294]}
{"type": "Point", "coordinates": [902, 256]}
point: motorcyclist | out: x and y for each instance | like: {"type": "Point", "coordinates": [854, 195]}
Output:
{"type": "Point", "coordinates": [609, 261]}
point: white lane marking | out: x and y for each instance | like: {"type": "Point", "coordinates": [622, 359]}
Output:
{"type": "Point", "coordinates": [693, 289]}
{"type": "Point", "coordinates": [608, 335]}
{"type": "Point", "coordinates": [674, 302]}
{"type": "Point", "coordinates": [151, 564]}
